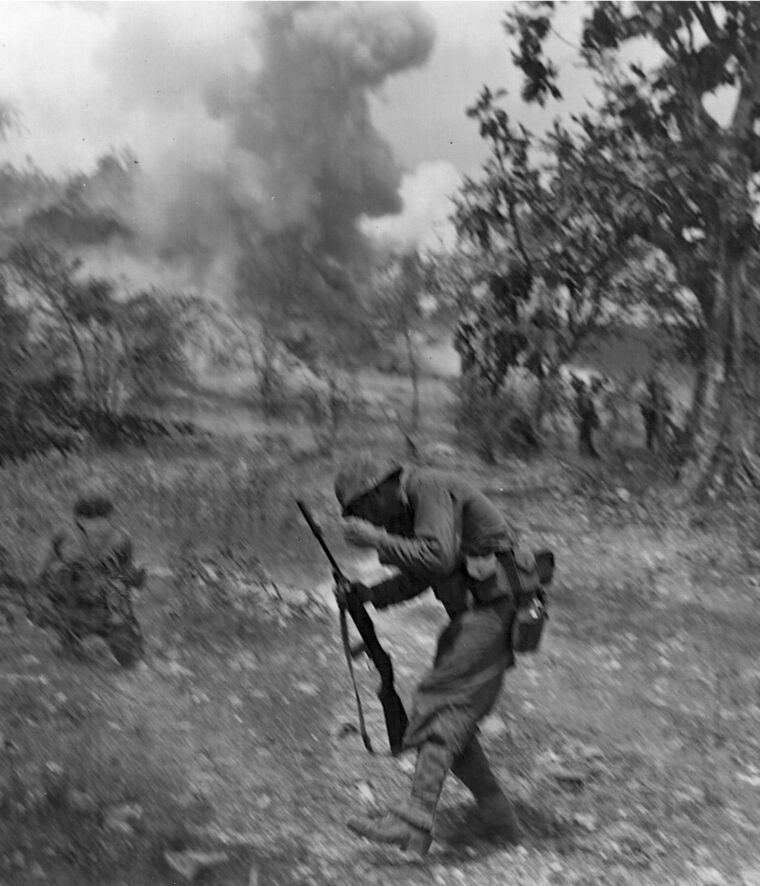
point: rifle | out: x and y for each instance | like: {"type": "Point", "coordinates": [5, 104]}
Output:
{"type": "Point", "coordinates": [393, 708]}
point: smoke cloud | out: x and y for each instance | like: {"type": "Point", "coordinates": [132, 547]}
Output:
{"type": "Point", "coordinates": [259, 125]}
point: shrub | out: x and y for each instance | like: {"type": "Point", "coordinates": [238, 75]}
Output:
{"type": "Point", "coordinates": [492, 423]}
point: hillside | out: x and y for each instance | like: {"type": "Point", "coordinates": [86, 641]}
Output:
{"type": "Point", "coordinates": [629, 742]}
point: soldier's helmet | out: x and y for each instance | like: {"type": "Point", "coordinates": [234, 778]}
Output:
{"type": "Point", "coordinates": [360, 475]}
{"type": "Point", "coordinates": [93, 500]}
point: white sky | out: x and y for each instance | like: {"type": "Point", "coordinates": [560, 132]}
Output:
{"type": "Point", "coordinates": [89, 77]}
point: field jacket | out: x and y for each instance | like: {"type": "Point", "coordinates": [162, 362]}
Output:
{"type": "Point", "coordinates": [443, 512]}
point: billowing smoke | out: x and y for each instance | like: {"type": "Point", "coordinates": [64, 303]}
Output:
{"type": "Point", "coordinates": [264, 133]}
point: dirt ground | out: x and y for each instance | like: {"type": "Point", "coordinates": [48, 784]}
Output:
{"type": "Point", "coordinates": [629, 742]}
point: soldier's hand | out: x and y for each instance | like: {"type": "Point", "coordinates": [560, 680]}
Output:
{"type": "Point", "coordinates": [360, 533]}
{"type": "Point", "coordinates": [344, 587]}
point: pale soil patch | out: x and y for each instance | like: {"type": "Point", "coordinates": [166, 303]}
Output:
{"type": "Point", "coordinates": [646, 691]}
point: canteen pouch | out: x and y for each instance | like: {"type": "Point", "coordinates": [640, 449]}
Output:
{"type": "Point", "coordinates": [521, 566]}
{"type": "Point", "coordinates": [528, 624]}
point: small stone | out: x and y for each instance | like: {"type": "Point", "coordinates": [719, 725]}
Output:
{"type": "Point", "coordinates": [160, 571]}
{"type": "Point", "coordinates": [81, 802]}
{"type": "Point", "coordinates": [587, 821]}
{"type": "Point", "coordinates": [710, 877]}
{"type": "Point", "coordinates": [174, 669]}
{"type": "Point", "coordinates": [306, 688]}
{"type": "Point", "coordinates": [494, 726]}
{"type": "Point", "coordinates": [750, 876]}
{"type": "Point", "coordinates": [295, 597]}
{"type": "Point", "coordinates": [365, 792]}
{"type": "Point", "coordinates": [126, 814]}
{"type": "Point", "coordinates": [53, 781]}
{"type": "Point", "coordinates": [591, 752]}
{"type": "Point", "coordinates": [253, 876]}
{"type": "Point", "coordinates": [207, 573]}
{"type": "Point", "coordinates": [245, 661]}
{"type": "Point", "coordinates": [36, 870]}
{"type": "Point", "coordinates": [570, 778]}
{"type": "Point", "coordinates": [263, 802]}
{"type": "Point", "coordinates": [406, 764]}
{"type": "Point", "coordinates": [190, 863]}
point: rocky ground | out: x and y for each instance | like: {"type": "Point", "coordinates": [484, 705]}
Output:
{"type": "Point", "coordinates": [630, 742]}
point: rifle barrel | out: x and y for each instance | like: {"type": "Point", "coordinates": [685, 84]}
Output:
{"type": "Point", "coordinates": [317, 532]}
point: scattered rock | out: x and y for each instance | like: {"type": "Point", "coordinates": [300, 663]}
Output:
{"type": "Point", "coordinates": [365, 792]}
{"type": "Point", "coordinates": [174, 669]}
{"type": "Point", "coordinates": [263, 802]}
{"type": "Point", "coordinates": [37, 871]}
{"type": "Point", "coordinates": [406, 764]}
{"type": "Point", "coordinates": [122, 818]}
{"type": "Point", "coordinates": [207, 573]}
{"type": "Point", "coordinates": [81, 802]}
{"type": "Point", "coordinates": [591, 752]}
{"type": "Point", "coordinates": [750, 876]}
{"type": "Point", "coordinates": [306, 688]}
{"type": "Point", "coordinates": [573, 779]}
{"type": "Point", "coordinates": [346, 729]}
{"type": "Point", "coordinates": [629, 839]}
{"type": "Point", "coordinates": [710, 877]}
{"type": "Point", "coordinates": [494, 726]}
{"type": "Point", "coordinates": [295, 597]}
{"type": "Point", "coordinates": [54, 780]}
{"type": "Point", "coordinates": [588, 821]}
{"type": "Point", "coordinates": [245, 661]}
{"type": "Point", "coordinates": [189, 864]}
{"type": "Point", "coordinates": [160, 571]}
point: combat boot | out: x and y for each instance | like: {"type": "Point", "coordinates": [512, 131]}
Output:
{"type": "Point", "coordinates": [494, 816]}
{"type": "Point", "coordinates": [410, 826]}
{"type": "Point", "coordinates": [391, 828]}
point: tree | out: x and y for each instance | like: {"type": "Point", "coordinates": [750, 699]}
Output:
{"type": "Point", "coordinates": [303, 303]}
{"type": "Point", "coordinates": [395, 308]}
{"type": "Point", "coordinates": [538, 213]}
{"type": "Point", "coordinates": [690, 182]}
{"type": "Point", "coordinates": [115, 347]}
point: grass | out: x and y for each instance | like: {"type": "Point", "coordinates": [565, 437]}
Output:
{"type": "Point", "coordinates": [649, 657]}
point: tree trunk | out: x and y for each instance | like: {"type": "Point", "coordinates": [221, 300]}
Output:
{"type": "Point", "coordinates": [730, 462]}
{"type": "Point", "coordinates": [414, 375]}
{"type": "Point", "coordinates": [700, 397]}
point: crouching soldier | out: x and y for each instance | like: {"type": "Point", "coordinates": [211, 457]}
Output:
{"type": "Point", "coordinates": [86, 581]}
{"type": "Point", "coordinates": [430, 525]}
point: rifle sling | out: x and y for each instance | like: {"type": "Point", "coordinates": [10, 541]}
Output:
{"type": "Point", "coordinates": [393, 708]}
{"type": "Point", "coordinates": [350, 662]}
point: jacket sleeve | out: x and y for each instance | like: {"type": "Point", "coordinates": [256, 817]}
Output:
{"type": "Point", "coordinates": [433, 551]}
{"type": "Point", "coordinates": [397, 589]}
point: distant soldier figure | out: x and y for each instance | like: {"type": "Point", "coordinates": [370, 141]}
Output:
{"type": "Point", "coordinates": [587, 416]}
{"type": "Point", "coordinates": [655, 408]}
{"type": "Point", "coordinates": [86, 581]}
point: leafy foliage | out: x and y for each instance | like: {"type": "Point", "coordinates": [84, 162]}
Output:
{"type": "Point", "coordinates": [649, 163]}
{"type": "Point", "coordinates": [116, 348]}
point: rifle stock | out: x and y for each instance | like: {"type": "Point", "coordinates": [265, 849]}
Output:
{"type": "Point", "coordinates": [393, 708]}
